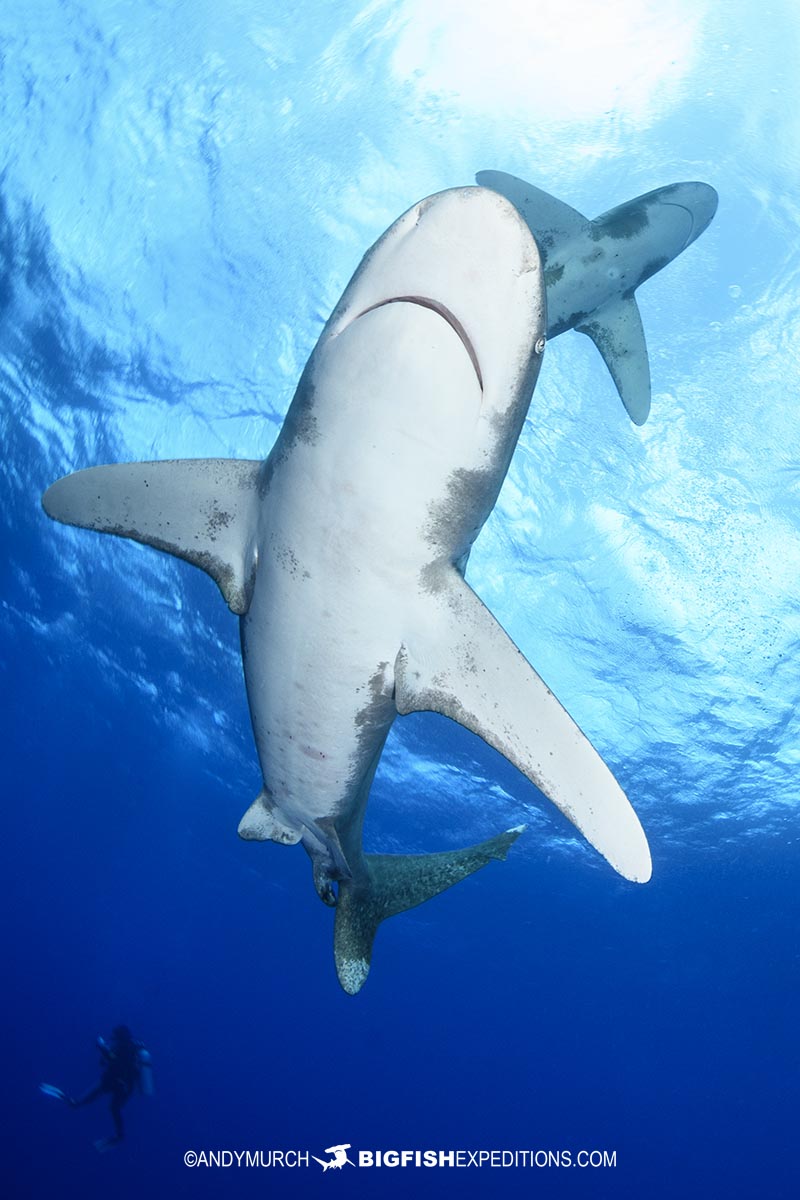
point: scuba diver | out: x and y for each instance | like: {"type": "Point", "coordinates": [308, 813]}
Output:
{"type": "Point", "coordinates": [125, 1064]}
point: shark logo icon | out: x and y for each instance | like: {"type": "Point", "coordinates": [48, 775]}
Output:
{"type": "Point", "coordinates": [339, 1157]}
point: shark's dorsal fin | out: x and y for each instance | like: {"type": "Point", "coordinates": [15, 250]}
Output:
{"type": "Point", "coordinates": [616, 330]}
{"type": "Point", "coordinates": [202, 510]}
{"type": "Point", "coordinates": [549, 220]}
{"type": "Point", "coordinates": [465, 666]}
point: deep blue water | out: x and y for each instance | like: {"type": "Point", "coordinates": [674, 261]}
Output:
{"type": "Point", "coordinates": [183, 197]}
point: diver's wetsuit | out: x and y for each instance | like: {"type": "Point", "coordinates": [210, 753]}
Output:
{"type": "Point", "coordinates": [118, 1080]}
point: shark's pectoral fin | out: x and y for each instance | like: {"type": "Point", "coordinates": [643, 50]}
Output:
{"type": "Point", "coordinates": [466, 667]}
{"type": "Point", "coordinates": [616, 330]}
{"type": "Point", "coordinates": [203, 510]}
{"type": "Point", "coordinates": [394, 883]}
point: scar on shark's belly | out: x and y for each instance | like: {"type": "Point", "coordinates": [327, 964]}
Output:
{"type": "Point", "coordinates": [310, 752]}
{"type": "Point", "coordinates": [446, 315]}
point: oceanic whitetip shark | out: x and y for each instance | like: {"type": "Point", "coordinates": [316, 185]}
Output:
{"type": "Point", "coordinates": [593, 268]}
{"type": "Point", "coordinates": [344, 554]}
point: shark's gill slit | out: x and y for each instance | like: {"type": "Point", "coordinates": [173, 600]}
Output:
{"type": "Point", "coordinates": [445, 314]}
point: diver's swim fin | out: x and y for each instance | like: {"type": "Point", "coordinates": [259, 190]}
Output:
{"type": "Point", "coordinates": [50, 1089]}
{"type": "Point", "coordinates": [107, 1143]}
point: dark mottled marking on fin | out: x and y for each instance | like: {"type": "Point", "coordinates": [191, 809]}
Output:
{"type": "Point", "coordinates": [393, 884]}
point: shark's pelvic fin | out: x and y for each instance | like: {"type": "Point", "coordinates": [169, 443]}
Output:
{"type": "Point", "coordinates": [203, 510]}
{"type": "Point", "coordinates": [394, 883]}
{"type": "Point", "coordinates": [549, 220]}
{"type": "Point", "coordinates": [466, 667]}
{"type": "Point", "coordinates": [616, 330]}
{"type": "Point", "coordinates": [261, 823]}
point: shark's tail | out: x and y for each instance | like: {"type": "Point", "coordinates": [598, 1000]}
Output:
{"type": "Point", "coordinates": [393, 884]}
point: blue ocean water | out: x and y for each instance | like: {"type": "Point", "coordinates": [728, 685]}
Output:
{"type": "Point", "coordinates": [185, 190]}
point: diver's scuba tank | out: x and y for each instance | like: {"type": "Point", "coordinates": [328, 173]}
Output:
{"type": "Point", "coordinates": [144, 1062]}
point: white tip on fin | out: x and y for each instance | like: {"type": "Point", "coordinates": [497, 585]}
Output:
{"type": "Point", "coordinates": [261, 823]}
{"type": "Point", "coordinates": [393, 884]}
{"type": "Point", "coordinates": [202, 510]}
{"type": "Point", "coordinates": [469, 669]}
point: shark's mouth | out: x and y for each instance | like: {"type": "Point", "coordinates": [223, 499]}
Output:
{"type": "Point", "coordinates": [446, 315]}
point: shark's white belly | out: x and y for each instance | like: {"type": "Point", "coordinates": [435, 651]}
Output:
{"type": "Point", "coordinates": [391, 408]}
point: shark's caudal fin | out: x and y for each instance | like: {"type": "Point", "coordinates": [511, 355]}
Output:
{"type": "Point", "coordinates": [202, 510]}
{"type": "Point", "coordinates": [616, 330]}
{"type": "Point", "coordinates": [551, 221]}
{"type": "Point", "coordinates": [465, 666]}
{"type": "Point", "coordinates": [394, 883]}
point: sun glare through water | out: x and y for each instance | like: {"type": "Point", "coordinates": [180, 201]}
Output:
{"type": "Point", "coordinates": [564, 62]}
